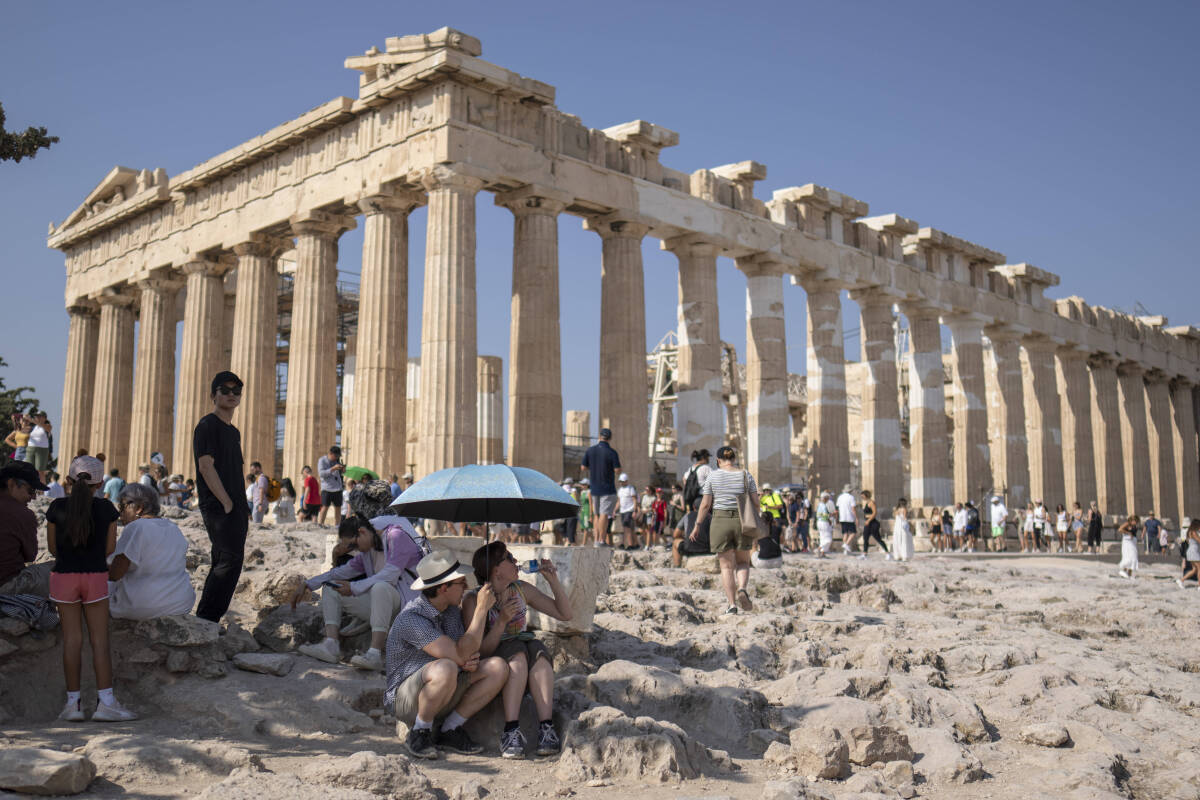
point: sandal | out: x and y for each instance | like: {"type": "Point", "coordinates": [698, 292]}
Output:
{"type": "Point", "coordinates": [744, 600]}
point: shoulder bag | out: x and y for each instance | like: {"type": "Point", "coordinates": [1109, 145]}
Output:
{"type": "Point", "coordinates": [752, 522]}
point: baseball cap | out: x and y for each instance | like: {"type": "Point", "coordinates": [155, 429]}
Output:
{"type": "Point", "coordinates": [86, 465]}
{"type": "Point", "coordinates": [623, 477]}
{"type": "Point", "coordinates": [223, 377]}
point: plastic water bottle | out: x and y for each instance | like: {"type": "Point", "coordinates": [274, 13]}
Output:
{"type": "Point", "coordinates": [530, 566]}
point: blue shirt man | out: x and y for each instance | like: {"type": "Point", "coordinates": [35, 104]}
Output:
{"type": "Point", "coordinates": [602, 464]}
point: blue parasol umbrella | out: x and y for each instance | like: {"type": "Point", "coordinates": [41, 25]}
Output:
{"type": "Point", "coordinates": [486, 493]}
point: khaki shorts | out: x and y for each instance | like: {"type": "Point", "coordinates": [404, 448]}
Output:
{"type": "Point", "coordinates": [725, 532]}
{"type": "Point", "coordinates": [39, 457]}
{"type": "Point", "coordinates": [404, 702]}
{"type": "Point", "coordinates": [606, 504]}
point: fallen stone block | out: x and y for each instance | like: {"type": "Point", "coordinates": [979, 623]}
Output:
{"type": "Point", "coordinates": [793, 789]}
{"type": "Point", "coordinates": [870, 744]}
{"type": "Point", "coordinates": [584, 573]}
{"type": "Point", "coordinates": [13, 627]}
{"type": "Point", "coordinates": [286, 628]}
{"type": "Point", "coordinates": [820, 753]}
{"type": "Point", "coordinates": [32, 770]}
{"type": "Point", "coordinates": [391, 776]}
{"type": "Point", "coordinates": [182, 630]}
{"type": "Point", "coordinates": [279, 664]}
{"type": "Point", "coordinates": [1045, 734]}
{"type": "Point", "coordinates": [705, 564]}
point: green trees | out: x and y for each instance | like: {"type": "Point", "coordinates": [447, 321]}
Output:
{"type": "Point", "coordinates": [15, 146]}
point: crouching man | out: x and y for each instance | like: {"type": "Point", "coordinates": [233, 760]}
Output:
{"type": "Point", "coordinates": [433, 664]}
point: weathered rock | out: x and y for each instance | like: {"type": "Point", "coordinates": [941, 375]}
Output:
{"type": "Point", "coordinates": [274, 588]}
{"type": "Point", "coordinates": [898, 773]}
{"type": "Point", "coordinates": [1045, 734]}
{"type": "Point", "coordinates": [873, 743]}
{"type": "Point", "coordinates": [246, 784]}
{"type": "Point", "coordinates": [793, 789]}
{"type": "Point", "coordinates": [820, 753]}
{"type": "Point", "coordinates": [718, 716]}
{"type": "Point", "coordinates": [705, 564]}
{"type": "Point", "coordinates": [237, 639]}
{"type": "Point", "coordinates": [267, 663]}
{"type": "Point", "coordinates": [864, 783]}
{"type": "Point", "coordinates": [7, 648]}
{"type": "Point", "coordinates": [603, 743]}
{"type": "Point", "coordinates": [32, 770]}
{"type": "Point", "coordinates": [393, 776]}
{"type": "Point", "coordinates": [943, 759]}
{"type": "Point", "coordinates": [124, 757]}
{"type": "Point", "coordinates": [583, 571]}
{"type": "Point", "coordinates": [182, 630]}
{"type": "Point", "coordinates": [9, 626]}
{"type": "Point", "coordinates": [179, 661]}
{"type": "Point", "coordinates": [472, 789]}
{"type": "Point", "coordinates": [285, 628]}
{"type": "Point", "coordinates": [874, 596]}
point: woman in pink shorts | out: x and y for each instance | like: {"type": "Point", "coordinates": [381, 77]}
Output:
{"type": "Point", "coordinates": [81, 530]}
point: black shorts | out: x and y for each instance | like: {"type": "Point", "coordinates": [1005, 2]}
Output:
{"type": "Point", "coordinates": [627, 519]}
{"type": "Point", "coordinates": [311, 509]}
{"type": "Point", "coordinates": [848, 527]}
{"type": "Point", "coordinates": [331, 499]}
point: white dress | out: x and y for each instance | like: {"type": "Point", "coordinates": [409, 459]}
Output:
{"type": "Point", "coordinates": [902, 540]}
{"type": "Point", "coordinates": [1129, 553]}
{"type": "Point", "coordinates": [157, 582]}
{"type": "Point", "coordinates": [825, 526]}
{"type": "Point", "coordinates": [285, 508]}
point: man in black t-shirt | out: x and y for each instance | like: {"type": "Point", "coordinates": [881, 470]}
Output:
{"type": "Point", "coordinates": [217, 449]}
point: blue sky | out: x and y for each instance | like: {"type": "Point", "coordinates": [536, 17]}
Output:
{"type": "Point", "coordinates": [1060, 133]}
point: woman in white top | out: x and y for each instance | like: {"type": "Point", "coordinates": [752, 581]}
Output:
{"type": "Point", "coordinates": [285, 506]}
{"type": "Point", "coordinates": [825, 512]}
{"type": "Point", "coordinates": [1039, 527]}
{"type": "Point", "coordinates": [902, 540]}
{"type": "Point", "coordinates": [1061, 525]}
{"type": "Point", "coordinates": [147, 573]}
{"type": "Point", "coordinates": [720, 494]}
{"type": "Point", "coordinates": [1027, 528]}
{"type": "Point", "coordinates": [1129, 549]}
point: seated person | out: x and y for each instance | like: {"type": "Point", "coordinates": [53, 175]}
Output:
{"type": "Point", "coordinates": [529, 664]}
{"type": "Point", "coordinates": [683, 546]}
{"type": "Point", "coordinates": [376, 597]}
{"type": "Point", "coordinates": [147, 573]}
{"type": "Point", "coordinates": [19, 483]}
{"type": "Point", "coordinates": [433, 663]}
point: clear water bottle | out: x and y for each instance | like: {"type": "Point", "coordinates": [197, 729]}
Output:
{"type": "Point", "coordinates": [530, 566]}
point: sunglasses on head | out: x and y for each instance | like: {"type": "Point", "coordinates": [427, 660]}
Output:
{"type": "Point", "coordinates": [236, 391]}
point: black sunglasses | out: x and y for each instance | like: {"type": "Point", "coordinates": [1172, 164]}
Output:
{"type": "Point", "coordinates": [236, 391]}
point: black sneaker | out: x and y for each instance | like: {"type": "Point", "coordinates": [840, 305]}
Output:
{"type": "Point", "coordinates": [458, 741]}
{"type": "Point", "coordinates": [419, 743]}
{"type": "Point", "coordinates": [548, 742]}
{"type": "Point", "coordinates": [512, 744]}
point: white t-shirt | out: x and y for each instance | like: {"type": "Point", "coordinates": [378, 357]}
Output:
{"type": "Point", "coordinates": [1039, 515]}
{"type": "Point", "coordinates": [38, 437]}
{"type": "Point", "coordinates": [845, 507]}
{"type": "Point", "coordinates": [157, 582]}
{"type": "Point", "coordinates": [626, 498]}
{"type": "Point", "coordinates": [147, 480]}
{"type": "Point", "coordinates": [999, 514]}
{"type": "Point", "coordinates": [960, 520]}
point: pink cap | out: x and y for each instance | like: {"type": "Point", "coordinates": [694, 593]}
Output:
{"type": "Point", "coordinates": [86, 465]}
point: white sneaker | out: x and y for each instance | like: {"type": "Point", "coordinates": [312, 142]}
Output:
{"type": "Point", "coordinates": [846, 549]}
{"type": "Point", "coordinates": [888, 557]}
{"type": "Point", "coordinates": [322, 652]}
{"type": "Point", "coordinates": [368, 660]}
{"type": "Point", "coordinates": [112, 713]}
{"type": "Point", "coordinates": [1179, 583]}
{"type": "Point", "coordinates": [73, 712]}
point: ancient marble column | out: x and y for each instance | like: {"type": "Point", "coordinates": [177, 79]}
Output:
{"type": "Point", "coordinates": [446, 428]}
{"type": "Point", "coordinates": [1006, 418]}
{"type": "Point", "coordinates": [225, 357]}
{"type": "Point", "coordinates": [255, 322]}
{"type": "Point", "coordinates": [972, 456]}
{"type": "Point", "coordinates": [1183, 441]}
{"type": "Point", "coordinates": [882, 451]}
{"type": "Point", "coordinates": [1135, 438]}
{"type": "Point", "coordinates": [623, 342]}
{"type": "Point", "coordinates": [699, 404]}
{"type": "Point", "coordinates": [579, 428]}
{"type": "Point", "coordinates": [1043, 422]}
{"type": "Point", "coordinates": [1106, 436]}
{"type": "Point", "coordinates": [768, 454]}
{"type": "Point", "coordinates": [535, 413]}
{"type": "Point", "coordinates": [112, 405]}
{"type": "Point", "coordinates": [152, 424]}
{"type": "Point", "coordinates": [199, 355]}
{"type": "Point", "coordinates": [375, 424]}
{"type": "Point", "coordinates": [490, 416]}
{"type": "Point", "coordinates": [930, 469]}
{"type": "Point", "coordinates": [79, 383]}
{"type": "Point", "coordinates": [1079, 455]}
{"type": "Point", "coordinates": [412, 406]}
{"type": "Point", "coordinates": [310, 415]}
{"type": "Point", "coordinates": [1163, 481]}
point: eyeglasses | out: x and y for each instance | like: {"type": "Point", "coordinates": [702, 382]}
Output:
{"type": "Point", "coordinates": [461, 583]}
{"type": "Point", "coordinates": [236, 391]}
{"type": "Point", "coordinates": [509, 557]}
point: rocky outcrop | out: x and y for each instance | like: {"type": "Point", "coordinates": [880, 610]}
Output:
{"type": "Point", "coordinates": [32, 770]}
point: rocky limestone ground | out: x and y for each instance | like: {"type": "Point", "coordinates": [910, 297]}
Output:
{"type": "Point", "coordinates": [944, 677]}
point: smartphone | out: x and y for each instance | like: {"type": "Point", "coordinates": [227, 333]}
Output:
{"type": "Point", "coordinates": [331, 584]}
{"type": "Point", "coordinates": [531, 566]}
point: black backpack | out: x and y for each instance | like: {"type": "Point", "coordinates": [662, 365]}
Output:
{"type": "Point", "coordinates": [691, 488]}
{"type": "Point", "coordinates": [972, 517]}
{"type": "Point", "coordinates": [768, 547]}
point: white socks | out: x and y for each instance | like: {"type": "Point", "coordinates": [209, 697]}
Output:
{"type": "Point", "coordinates": [374, 651]}
{"type": "Point", "coordinates": [106, 696]}
{"type": "Point", "coordinates": [453, 721]}
{"type": "Point", "coordinates": [73, 697]}
{"type": "Point", "coordinates": [420, 724]}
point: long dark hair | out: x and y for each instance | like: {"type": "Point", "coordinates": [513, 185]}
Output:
{"type": "Point", "coordinates": [79, 511]}
{"type": "Point", "coordinates": [286, 486]}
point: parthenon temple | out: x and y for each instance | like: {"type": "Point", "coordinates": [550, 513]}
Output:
{"type": "Point", "coordinates": [1053, 399]}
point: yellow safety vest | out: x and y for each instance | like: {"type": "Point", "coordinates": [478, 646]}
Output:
{"type": "Point", "coordinates": [771, 503]}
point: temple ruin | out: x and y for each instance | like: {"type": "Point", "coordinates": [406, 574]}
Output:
{"type": "Point", "coordinates": [1053, 399]}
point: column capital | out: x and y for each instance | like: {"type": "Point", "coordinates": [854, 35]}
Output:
{"type": "Point", "coordinates": [965, 319]}
{"type": "Point", "coordinates": [534, 199]}
{"type": "Point", "coordinates": [1182, 383]}
{"type": "Point", "coordinates": [321, 224]}
{"type": "Point", "coordinates": [690, 244]}
{"type": "Point", "coordinates": [1071, 352]}
{"type": "Point", "coordinates": [1130, 368]}
{"type": "Point", "coordinates": [872, 296]}
{"type": "Point", "coordinates": [617, 226]}
{"type": "Point", "coordinates": [114, 297]}
{"type": "Point", "coordinates": [204, 266]}
{"type": "Point", "coordinates": [260, 244]}
{"type": "Point", "coordinates": [1102, 361]}
{"type": "Point", "coordinates": [455, 177]}
{"type": "Point", "coordinates": [83, 307]}
{"type": "Point", "coordinates": [1003, 334]}
{"type": "Point", "coordinates": [916, 310]}
{"type": "Point", "coordinates": [398, 201]}
{"type": "Point", "coordinates": [159, 283]}
{"type": "Point", "coordinates": [1156, 376]}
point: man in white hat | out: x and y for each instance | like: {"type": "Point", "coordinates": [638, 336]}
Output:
{"type": "Point", "coordinates": [433, 664]}
{"type": "Point", "coordinates": [847, 512]}
{"type": "Point", "coordinates": [626, 505]}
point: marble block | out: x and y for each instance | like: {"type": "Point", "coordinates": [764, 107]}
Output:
{"type": "Point", "coordinates": [583, 572]}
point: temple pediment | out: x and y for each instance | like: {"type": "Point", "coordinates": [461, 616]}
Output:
{"type": "Point", "coordinates": [122, 189]}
